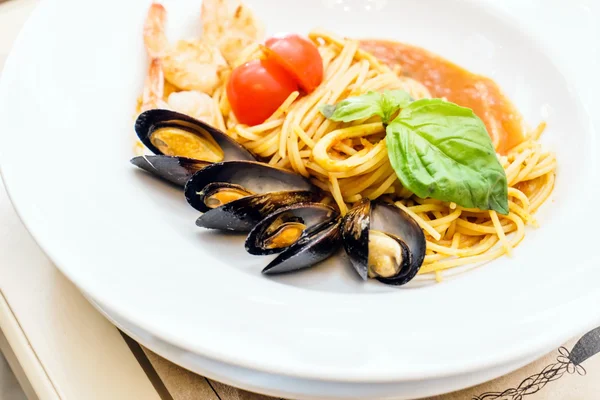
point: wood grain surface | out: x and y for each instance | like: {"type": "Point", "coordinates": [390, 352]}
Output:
{"type": "Point", "coordinates": [581, 383]}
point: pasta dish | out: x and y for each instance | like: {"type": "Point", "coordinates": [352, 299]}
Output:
{"type": "Point", "coordinates": [411, 164]}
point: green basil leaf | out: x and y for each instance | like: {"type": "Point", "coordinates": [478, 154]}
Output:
{"type": "Point", "coordinates": [443, 151]}
{"type": "Point", "coordinates": [353, 108]}
{"type": "Point", "coordinates": [393, 101]}
{"type": "Point", "coordinates": [367, 105]}
{"type": "Point", "coordinates": [328, 110]}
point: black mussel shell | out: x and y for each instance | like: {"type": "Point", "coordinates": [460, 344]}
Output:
{"type": "Point", "coordinates": [355, 236]}
{"type": "Point", "coordinates": [149, 121]}
{"type": "Point", "coordinates": [256, 177]}
{"type": "Point", "coordinates": [177, 170]}
{"type": "Point", "coordinates": [243, 214]}
{"type": "Point", "coordinates": [389, 219]}
{"type": "Point", "coordinates": [309, 215]}
{"type": "Point", "coordinates": [309, 250]}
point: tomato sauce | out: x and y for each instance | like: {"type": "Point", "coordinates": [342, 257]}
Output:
{"type": "Point", "coordinates": [445, 79]}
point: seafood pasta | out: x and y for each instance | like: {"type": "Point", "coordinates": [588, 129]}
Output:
{"type": "Point", "coordinates": [411, 163]}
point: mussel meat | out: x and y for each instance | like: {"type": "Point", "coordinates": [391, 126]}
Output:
{"type": "Point", "coordinates": [177, 170]}
{"type": "Point", "coordinates": [383, 242]}
{"type": "Point", "coordinates": [171, 134]}
{"type": "Point", "coordinates": [175, 134]}
{"type": "Point", "coordinates": [309, 250]}
{"type": "Point", "coordinates": [284, 227]}
{"type": "Point", "coordinates": [236, 195]}
{"type": "Point", "coordinates": [243, 214]}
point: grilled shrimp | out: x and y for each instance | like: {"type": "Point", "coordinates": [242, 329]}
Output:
{"type": "Point", "coordinates": [195, 104]}
{"type": "Point", "coordinates": [154, 87]}
{"type": "Point", "coordinates": [189, 64]}
{"type": "Point", "coordinates": [230, 32]}
{"type": "Point", "coordinates": [155, 39]}
{"type": "Point", "coordinates": [194, 65]}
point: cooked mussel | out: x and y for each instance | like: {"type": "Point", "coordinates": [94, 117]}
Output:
{"type": "Point", "coordinates": [174, 134]}
{"type": "Point", "coordinates": [177, 170]}
{"type": "Point", "coordinates": [218, 194]}
{"type": "Point", "coordinates": [236, 195]}
{"type": "Point", "coordinates": [309, 250]}
{"type": "Point", "coordinates": [243, 214]}
{"type": "Point", "coordinates": [234, 178]}
{"type": "Point", "coordinates": [284, 227]}
{"type": "Point", "coordinates": [383, 242]}
{"type": "Point", "coordinates": [176, 139]}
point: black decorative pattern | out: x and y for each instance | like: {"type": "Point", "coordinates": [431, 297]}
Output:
{"type": "Point", "coordinates": [533, 384]}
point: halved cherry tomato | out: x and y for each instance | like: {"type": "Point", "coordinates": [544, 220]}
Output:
{"type": "Point", "coordinates": [300, 57]}
{"type": "Point", "coordinates": [257, 89]}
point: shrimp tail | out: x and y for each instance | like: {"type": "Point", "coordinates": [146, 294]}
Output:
{"type": "Point", "coordinates": [154, 86]}
{"type": "Point", "coordinates": [155, 38]}
{"type": "Point", "coordinates": [212, 16]}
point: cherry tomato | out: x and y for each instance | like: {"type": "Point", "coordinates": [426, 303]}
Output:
{"type": "Point", "coordinates": [257, 89]}
{"type": "Point", "coordinates": [300, 57]}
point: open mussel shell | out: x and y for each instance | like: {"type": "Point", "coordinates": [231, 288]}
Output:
{"type": "Point", "coordinates": [311, 249]}
{"type": "Point", "coordinates": [355, 236]}
{"type": "Point", "coordinates": [284, 227]}
{"type": "Point", "coordinates": [177, 170]}
{"type": "Point", "coordinates": [253, 177]}
{"type": "Point", "coordinates": [243, 214]}
{"type": "Point", "coordinates": [383, 242]}
{"type": "Point", "coordinates": [170, 133]}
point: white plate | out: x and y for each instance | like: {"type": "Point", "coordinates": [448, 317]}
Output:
{"type": "Point", "coordinates": [66, 106]}
{"type": "Point", "coordinates": [288, 387]}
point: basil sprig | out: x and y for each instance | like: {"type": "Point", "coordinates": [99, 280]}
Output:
{"type": "Point", "coordinates": [437, 149]}
{"type": "Point", "coordinates": [367, 105]}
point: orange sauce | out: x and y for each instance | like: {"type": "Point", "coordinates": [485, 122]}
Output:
{"type": "Point", "coordinates": [445, 79]}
